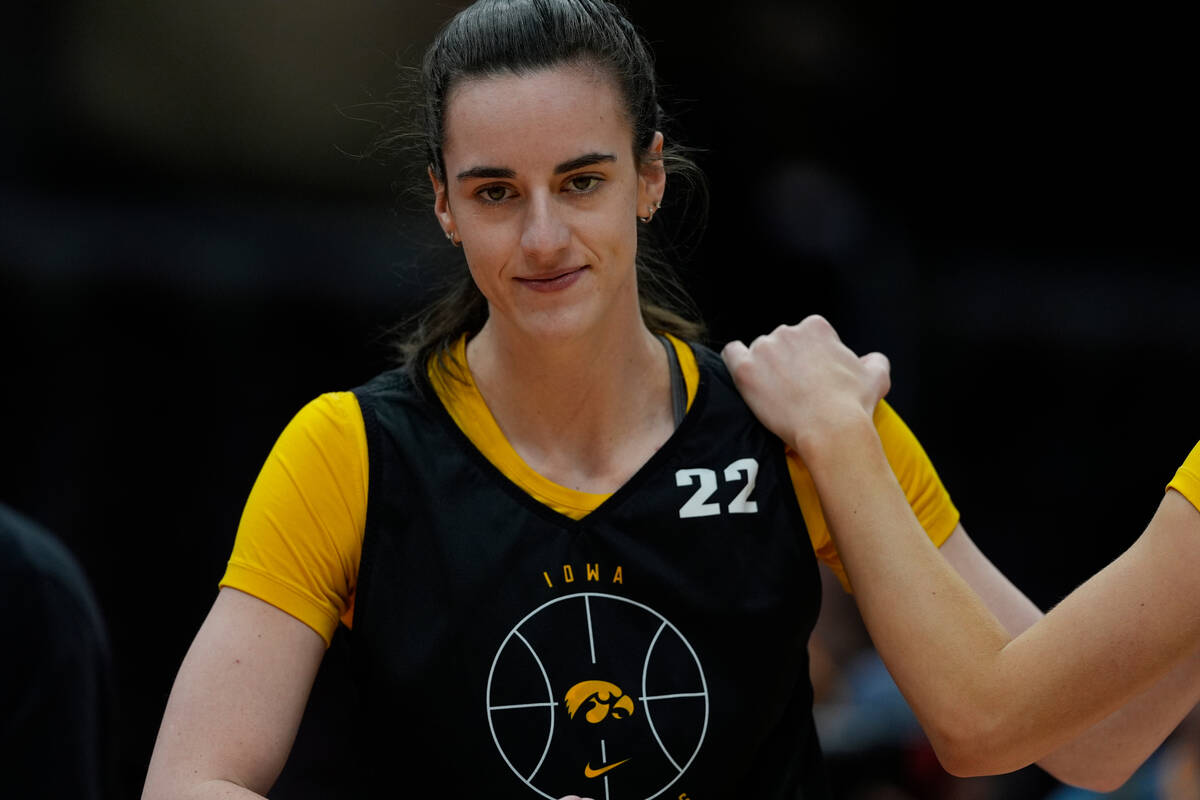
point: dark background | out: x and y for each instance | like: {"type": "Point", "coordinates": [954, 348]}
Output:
{"type": "Point", "coordinates": [1002, 198]}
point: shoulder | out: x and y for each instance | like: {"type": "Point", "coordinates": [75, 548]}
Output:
{"type": "Point", "coordinates": [342, 413]}
{"type": "Point", "coordinates": [707, 358]}
{"type": "Point", "coordinates": [393, 385]}
{"type": "Point", "coordinates": [711, 368]}
{"type": "Point", "coordinates": [318, 461]}
{"type": "Point", "coordinates": [298, 541]}
{"type": "Point", "coordinates": [331, 420]}
{"type": "Point", "coordinates": [391, 391]}
{"type": "Point", "coordinates": [397, 379]}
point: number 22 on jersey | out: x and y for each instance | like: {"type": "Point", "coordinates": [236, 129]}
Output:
{"type": "Point", "coordinates": [705, 480]}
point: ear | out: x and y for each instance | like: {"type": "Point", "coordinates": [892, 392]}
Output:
{"type": "Point", "coordinates": [652, 176]}
{"type": "Point", "coordinates": [441, 204]}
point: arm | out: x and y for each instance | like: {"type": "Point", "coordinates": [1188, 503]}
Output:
{"type": "Point", "coordinates": [988, 702]}
{"type": "Point", "coordinates": [236, 704]}
{"type": "Point", "coordinates": [1105, 755]}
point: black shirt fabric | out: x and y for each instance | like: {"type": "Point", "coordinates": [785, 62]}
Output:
{"type": "Point", "coordinates": [655, 648]}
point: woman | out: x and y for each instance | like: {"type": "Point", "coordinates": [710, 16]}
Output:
{"type": "Point", "coordinates": [990, 702]}
{"type": "Point", "coordinates": [572, 559]}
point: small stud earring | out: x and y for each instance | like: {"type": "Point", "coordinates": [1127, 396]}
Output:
{"type": "Point", "coordinates": [650, 214]}
{"type": "Point", "coordinates": [452, 240]}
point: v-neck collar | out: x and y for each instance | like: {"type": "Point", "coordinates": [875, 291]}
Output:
{"type": "Point", "coordinates": [469, 413]}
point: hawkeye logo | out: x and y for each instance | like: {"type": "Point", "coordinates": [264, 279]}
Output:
{"type": "Point", "coordinates": [603, 698]}
{"type": "Point", "coordinates": [597, 695]}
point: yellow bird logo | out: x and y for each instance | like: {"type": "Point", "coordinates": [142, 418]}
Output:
{"type": "Point", "coordinates": [603, 698]}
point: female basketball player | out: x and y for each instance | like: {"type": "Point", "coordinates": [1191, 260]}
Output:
{"type": "Point", "coordinates": [571, 559]}
{"type": "Point", "coordinates": [989, 702]}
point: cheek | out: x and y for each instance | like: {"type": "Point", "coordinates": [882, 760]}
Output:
{"type": "Point", "coordinates": [487, 247]}
{"type": "Point", "coordinates": [476, 250]}
{"type": "Point", "coordinates": [620, 230]}
{"type": "Point", "coordinates": [629, 238]}
{"type": "Point", "coordinates": [483, 267]}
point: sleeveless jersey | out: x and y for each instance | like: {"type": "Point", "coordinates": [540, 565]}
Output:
{"type": "Point", "coordinates": [655, 648]}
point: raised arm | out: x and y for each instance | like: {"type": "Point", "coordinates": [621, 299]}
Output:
{"type": "Point", "coordinates": [989, 702]}
{"type": "Point", "coordinates": [236, 704]}
{"type": "Point", "coordinates": [1104, 756]}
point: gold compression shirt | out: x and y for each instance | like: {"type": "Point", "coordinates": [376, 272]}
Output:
{"type": "Point", "coordinates": [300, 538]}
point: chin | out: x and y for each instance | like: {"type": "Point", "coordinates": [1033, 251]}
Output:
{"type": "Point", "coordinates": [587, 315]}
{"type": "Point", "coordinates": [558, 327]}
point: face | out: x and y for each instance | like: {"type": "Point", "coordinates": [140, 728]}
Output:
{"type": "Point", "coordinates": [544, 191]}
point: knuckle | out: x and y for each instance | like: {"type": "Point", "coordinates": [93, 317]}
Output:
{"type": "Point", "coordinates": [817, 324]}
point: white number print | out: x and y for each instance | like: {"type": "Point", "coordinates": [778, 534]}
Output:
{"type": "Point", "coordinates": [695, 506]}
{"type": "Point", "coordinates": [742, 504]}
{"type": "Point", "coordinates": [698, 506]}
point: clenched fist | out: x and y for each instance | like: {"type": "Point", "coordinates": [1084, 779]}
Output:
{"type": "Point", "coordinates": [804, 384]}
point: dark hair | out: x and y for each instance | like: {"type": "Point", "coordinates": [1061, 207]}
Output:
{"type": "Point", "coordinates": [492, 37]}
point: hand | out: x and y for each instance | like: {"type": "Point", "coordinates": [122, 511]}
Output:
{"type": "Point", "coordinates": [802, 382]}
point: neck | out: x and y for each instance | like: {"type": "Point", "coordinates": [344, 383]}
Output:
{"type": "Point", "coordinates": [584, 412]}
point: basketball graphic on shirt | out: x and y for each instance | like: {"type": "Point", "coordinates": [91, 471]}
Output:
{"type": "Point", "coordinates": [598, 695]}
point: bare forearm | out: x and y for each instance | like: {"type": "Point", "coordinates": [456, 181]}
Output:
{"type": "Point", "coordinates": [1105, 755]}
{"type": "Point", "coordinates": [922, 617]}
{"type": "Point", "coordinates": [988, 704]}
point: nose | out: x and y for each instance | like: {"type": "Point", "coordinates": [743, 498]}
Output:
{"type": "Point", "coordinates": [545, 234]}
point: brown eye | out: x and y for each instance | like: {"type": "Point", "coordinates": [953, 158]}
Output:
{"type": "Point", "coordinates": [493, 194]}
{"type": "Point", "coordinates": [584, 183]}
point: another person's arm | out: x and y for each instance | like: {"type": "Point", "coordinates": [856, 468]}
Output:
{"type": "Point", "coordinates": [988, 702]}
{"type": "Point", "coordinates": [1104, 756]}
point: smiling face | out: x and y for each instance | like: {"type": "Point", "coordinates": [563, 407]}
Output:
{"type": "Point", "coordinates": [543, 190]}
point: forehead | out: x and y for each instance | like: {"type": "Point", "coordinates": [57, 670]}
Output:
{"type": "Point", "coordinates": [545, 116]}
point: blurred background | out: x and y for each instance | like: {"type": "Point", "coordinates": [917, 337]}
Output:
{"type": "Point", "coordinates": [1000, 196]}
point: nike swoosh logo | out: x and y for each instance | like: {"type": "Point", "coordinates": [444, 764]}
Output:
{"type": "Point", "coordinates": [588, 772]}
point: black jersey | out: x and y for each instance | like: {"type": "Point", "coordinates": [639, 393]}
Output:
{"type": "Point", "coordinates": [655, 648]}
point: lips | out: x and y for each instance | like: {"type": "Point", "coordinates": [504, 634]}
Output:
{"type": "Point", "coordinates": [554, 282]}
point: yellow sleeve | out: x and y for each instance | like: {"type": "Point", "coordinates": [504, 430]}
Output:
{"type": "Point", "coordinates": [1187, 477]}
{"type": "Point", "coordinates": [300, 537]}
{"type": "Point", "coordinates": [928, 497]}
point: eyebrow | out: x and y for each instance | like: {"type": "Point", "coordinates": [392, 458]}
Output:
{"type": "Point", "coordinates": [586, 160]}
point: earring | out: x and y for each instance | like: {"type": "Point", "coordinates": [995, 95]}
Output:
{"type": "Point", "coordinates": [650, 213]}
{"type": "Point", "coordinates": [452, 240]}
